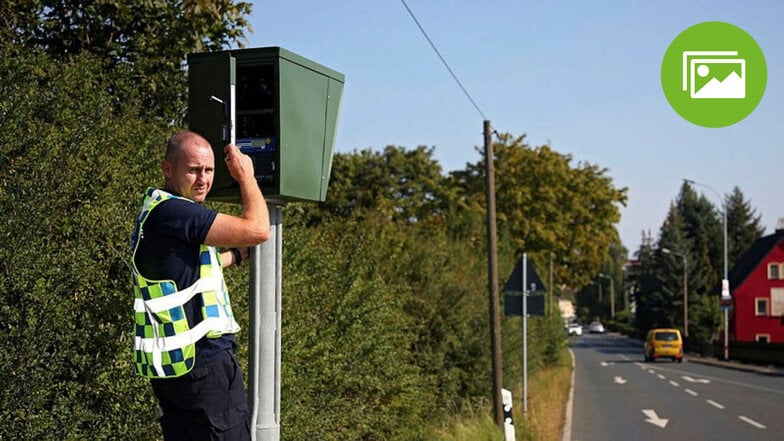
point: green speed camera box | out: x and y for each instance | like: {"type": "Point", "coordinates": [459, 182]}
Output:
{"type": "Point", "coordinates": [278, 107]}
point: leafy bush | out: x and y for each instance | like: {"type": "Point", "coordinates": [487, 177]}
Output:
{"type": "Point", "coordinates": [385, 323]}
{"type": "Point", "coordinates": [73, 158]}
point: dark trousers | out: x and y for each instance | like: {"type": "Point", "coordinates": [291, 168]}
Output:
{"type": "Point", "coordinates": [208, 403]}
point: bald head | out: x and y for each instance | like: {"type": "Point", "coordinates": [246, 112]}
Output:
{"type": "Point", "coordinates": [183, 140]}
{"type": "Point", "coordinates": [188, 166]}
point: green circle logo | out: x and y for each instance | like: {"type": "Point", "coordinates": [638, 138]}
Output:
{"type": "Point", "coordinates": [714, 74]}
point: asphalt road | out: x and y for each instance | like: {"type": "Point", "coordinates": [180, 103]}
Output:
{"type": "Point", "coordinates": [619, 396]}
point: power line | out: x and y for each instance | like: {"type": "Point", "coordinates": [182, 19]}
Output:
{"type": "Point", "coordinates": [465, 92]}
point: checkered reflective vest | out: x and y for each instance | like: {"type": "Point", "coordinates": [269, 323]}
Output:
{"type": "Point", "coordinates": [164, 344]}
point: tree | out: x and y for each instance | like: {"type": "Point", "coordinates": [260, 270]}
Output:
{"type": "Point", "coordinates": [743, 225]}
{"type": "Point", "coordinates": [702, 227]}
{"type": "Point", "coordinates": [138, 40]}
{"type": "Point", "coordinates": [547, 205]}
{"type": "Point", "coordinates": [396, 184]}
{"type": "Point", "coordinates": [669, 267]}
{"type": "Point", "coordinates": [652, 308]}
{"type": "Point", "coordinates": [693, 227]}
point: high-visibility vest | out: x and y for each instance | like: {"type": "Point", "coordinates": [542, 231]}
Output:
{"type": "Point", "coordinates": [164, 344]}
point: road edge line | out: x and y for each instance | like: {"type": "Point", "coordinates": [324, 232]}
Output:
{"type": "Point", "coordinates": [567, 430]}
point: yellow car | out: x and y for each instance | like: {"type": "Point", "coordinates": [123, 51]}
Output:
{"type": "Point", "coordinates": [664, 343]}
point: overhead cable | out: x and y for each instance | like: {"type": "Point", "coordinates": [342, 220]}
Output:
{"type": "Point", "coordinates": [465, 92]}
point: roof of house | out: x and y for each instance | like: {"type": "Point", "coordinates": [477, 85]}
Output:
{"type": "Point", "coordinates": [753, 257]}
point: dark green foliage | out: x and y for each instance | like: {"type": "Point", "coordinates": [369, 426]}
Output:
{"type": "Point", "coordinates": [703, 229]}
{"type": "Point", "coordinates": [743, 225]}
{"type": "Point", "coordinates": [395, 184]}
{"type": "Point", "coordinates": [147, 41]}
{"type": "Point", "coordinates": [408, 312]}
{"type": "Point", "coordinates": [348, 372]}
{"type": "Point", "coordinates": [385, 291]}
{"type": "Point", "coordinates": [73, 160]}
{"type": "Point", "coordinates": [548, 205]}
{"type": "Point", "coordinates": [693, 228]}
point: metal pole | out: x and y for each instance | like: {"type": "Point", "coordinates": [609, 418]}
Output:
{"type": "Point", "coordinates": [265, 321]}
{"type": "Point", "coordinates": [525, 333]}
{"type": "Point", "coordinates": [726, 277]}
{"type": "Point", "coordinates": [492, 276]}
{"type": "Point", "coordinates": [724, 206]}
{"type": "Point", "coordinates": [726, 336]}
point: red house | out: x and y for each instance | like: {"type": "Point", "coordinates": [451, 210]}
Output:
{"type": "Point", "coordinates": [757, 287]}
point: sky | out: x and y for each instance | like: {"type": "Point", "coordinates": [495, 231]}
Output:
{"type": "Point", "coordinates": [581, 76]}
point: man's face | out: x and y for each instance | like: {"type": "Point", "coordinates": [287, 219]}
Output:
{"type": "Point", "coordinates": [190, 171]}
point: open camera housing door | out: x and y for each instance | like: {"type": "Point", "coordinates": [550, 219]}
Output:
{"type": "Point", "coordinates": [279, 108]}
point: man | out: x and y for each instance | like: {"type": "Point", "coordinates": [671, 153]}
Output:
{"type": "Point", "coordinates": [184, 323]}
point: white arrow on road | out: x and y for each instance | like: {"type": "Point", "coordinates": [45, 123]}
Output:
{"type": "Point", "coordinates": [654, 419]}
{"type": "Point", "coordinates": [620, 380]}
{"type": "Point", "coordinates": [696, 380]}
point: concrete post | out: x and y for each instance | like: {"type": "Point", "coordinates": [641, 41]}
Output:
{"type": "Point", "coordinates": [265, 323]}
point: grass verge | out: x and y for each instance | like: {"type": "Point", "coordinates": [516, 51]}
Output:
{"type": "Point", "coordinates": [548, 391]}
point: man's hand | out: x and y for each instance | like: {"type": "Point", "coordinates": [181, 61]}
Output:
{"type": "Point", "coordinates": [239, 164]}
{"type": "Point", "coordinates": [252, 226]}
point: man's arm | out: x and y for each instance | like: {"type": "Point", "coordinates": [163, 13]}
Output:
{"type": "Point", "coordinates": [252, 227]}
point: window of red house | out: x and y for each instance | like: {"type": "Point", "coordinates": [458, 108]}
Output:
{"type": "Point", "coordinates": [774, 271]}
{"type": "Point", "coordinates": [761, 306]}
{"type": "Point", "coordinates": [777, 301]}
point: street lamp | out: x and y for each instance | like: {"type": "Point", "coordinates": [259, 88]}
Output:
{"type": "Point", "coordinates": [725, 283]}
{"type": "Point", "coordinates": [685, 291]}
{"type": "Point", "coordinates": [600, 289]}
{"type": "Point", "coordinates": [612, 294]}
{"type": "Point", "coordinates": [599, 302]}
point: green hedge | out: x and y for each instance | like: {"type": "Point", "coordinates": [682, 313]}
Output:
{"type": "Point", "coordinates": [385, 325]}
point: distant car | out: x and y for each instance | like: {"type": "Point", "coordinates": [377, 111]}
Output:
{"type": "Point", "coordinates": [596, 328]}
{"type": "Point", "coordinates": [664, 343]}
{"type": "Point", "coordinates": [575, 329]}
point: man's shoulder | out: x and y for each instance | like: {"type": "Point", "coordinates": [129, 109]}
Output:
{"type": "Point", "coordinates": [181, 207]}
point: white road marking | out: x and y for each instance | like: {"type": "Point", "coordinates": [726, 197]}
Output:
{"type": "Point", "coordinates": [715, 404]}
{"type": "Point", "coordinates": [674, 383]}
{"type": "Point", "coordinates": [752, 422]}
{"type": "Point", "coordinates": [654, 419]}
{"type": "Point", "coordinates": [691, 392]}
{"type": "Point", "coordinates": [695, 380]}
{"type": "Point", "coordinates": [620, 380]}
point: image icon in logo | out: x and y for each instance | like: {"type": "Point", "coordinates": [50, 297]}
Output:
{"type": "Point", "coordinates": [713, 74]}
{"type": "Point", "coordinates": [714, 77]}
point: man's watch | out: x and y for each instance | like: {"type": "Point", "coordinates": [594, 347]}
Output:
{"type": "Point", "coordinates": [235, 252]}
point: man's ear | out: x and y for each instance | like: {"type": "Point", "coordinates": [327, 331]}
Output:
{"type": "Point", "coordinates": [166, 167]}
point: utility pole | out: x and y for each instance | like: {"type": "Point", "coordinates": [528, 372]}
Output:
{"type": "Point", "coordinates": [550, 287]}
{"type": "Point", "coordinates": [492, 276]}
